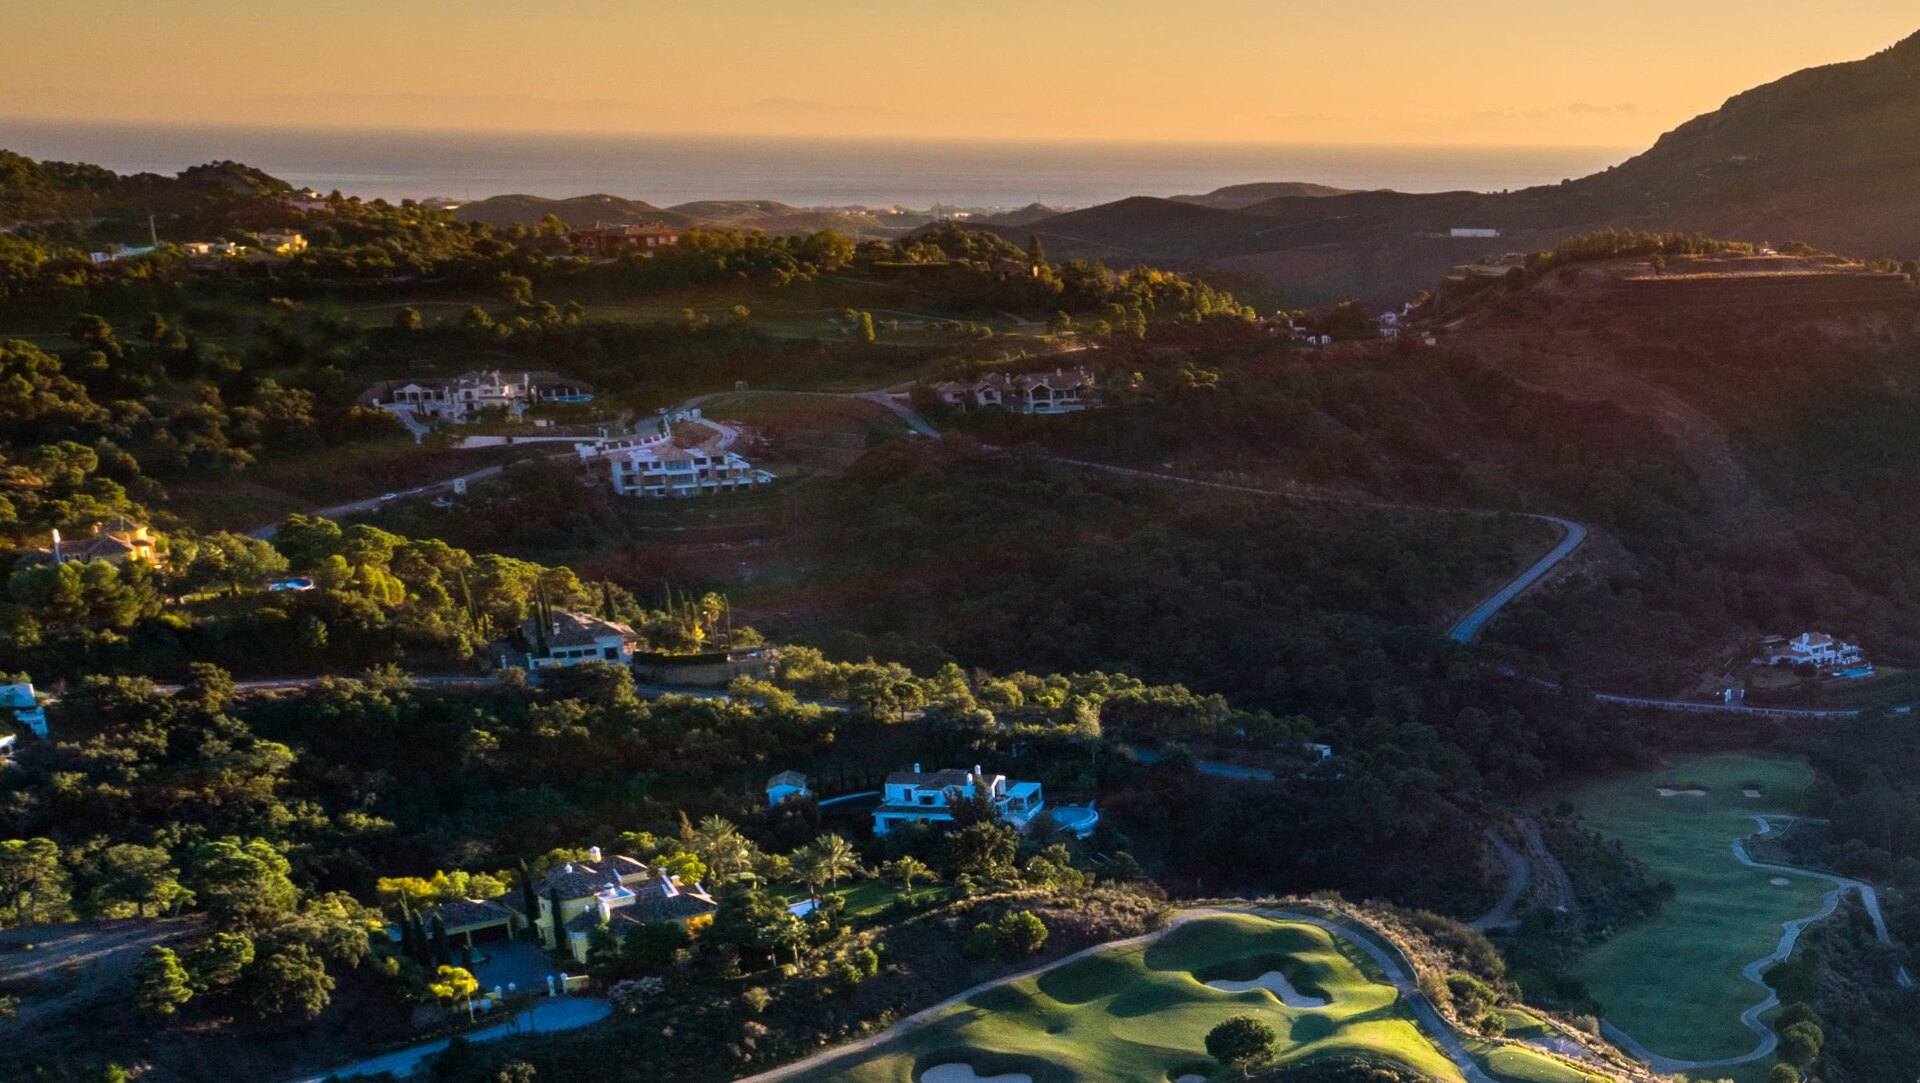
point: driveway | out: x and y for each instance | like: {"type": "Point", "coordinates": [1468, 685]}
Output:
{"type": "Point", "coordinates": [513, 962]}
{"type": "Point", "coordinates": [547, 1014]}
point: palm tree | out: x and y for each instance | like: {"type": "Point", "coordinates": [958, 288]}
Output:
{"type": "Point", "coordinates": [907, 870]}
{"type": "Point", "coordinates": [837, 858]}
{"type": "Point", "coordinates": [809, 869]}
{"type": "Point", "coordinates": [722, 847]}
{"type": "Point", "coordinates": [790, 933]}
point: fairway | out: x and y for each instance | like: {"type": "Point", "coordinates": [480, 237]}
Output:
{"type": "Point", "coordinates": [1141, 1014]}
{"type": "Point", "coordinates": [1674, 983]}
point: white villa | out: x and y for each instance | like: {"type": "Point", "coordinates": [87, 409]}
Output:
{"type": "Point", "coordinates": [920, 797]}
{"type": "Point", "coordinates": [668, 471]}
{"type": "Point", "coordinates": [1817, 649]}
{"type": "Point", "coordinates": [574, 638]}
{"type": "Point", "coordinates": [1060, 392]}
{"type": "Point", "coordinates": [463, 399]}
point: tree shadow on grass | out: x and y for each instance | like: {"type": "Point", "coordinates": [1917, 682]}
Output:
{"type": "Point", "coordinates": [1312, 1028]}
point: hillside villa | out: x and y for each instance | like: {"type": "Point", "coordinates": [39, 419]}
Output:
{"type": "Point", "coordinates": [573, 638]}
{"type": "Point", "coordinates": [617, 894]}
{"type": "Point", "coordinates": [464, 399]}
{"type": "Point", "coordinates": [282, 243]}
{"type": "Point", "coordinates": [679, 472]}
{"type": "Point", "coordinates": [1817, 649]}
{"type": "Point", "coordinates": [1059, 392]}
{"type": "Point", "coordinates": [925, 797]}
{"type": "Point", "coordinates": [614, 893]}
{"type": "Point", "coordinates": [644, 238]}
{"type": "Point", "coordinates": [110, 543]}
{"type": "Point", "coordinates": [213, 248]}
{"type": "Point", "coordinates": [786, 786]}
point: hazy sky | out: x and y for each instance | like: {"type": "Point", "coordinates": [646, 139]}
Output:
{"type": "Point", "coordinates": [1309, 71]}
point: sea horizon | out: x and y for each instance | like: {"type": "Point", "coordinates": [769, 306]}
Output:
{"type": "Point", "coordinates": [803, 171]}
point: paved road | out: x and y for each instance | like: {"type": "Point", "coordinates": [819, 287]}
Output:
{"type": "Point", "coordinates": [1728, 708]}
{"type": "Point", "coordinates": [1466, 628]}
{"type": "Point", "coordinates": [1469, 626]}
{"type": "Point", "coordinates": [548, 1014]}
{"type": "Point", "coordinates": [1518, 878]}
{"type": "Point", "coordinates": [267, 532]}
{"type": "Point", "coordinates": [1790, 932]}
{"type": "Point", "coordinates": [1398, 971]}
{"type": "Point", "coordinates": [1217, 770]}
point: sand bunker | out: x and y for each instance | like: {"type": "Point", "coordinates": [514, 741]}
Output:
{"type": "Point", "coordinates": [1666, 791]}
{"type": "Point", "coordinates": [1780, 881]}
{"type": "Point", "coordinates": [1752, 791]}
{"type": "Point", "coordinates": [1273, 982]}
{"type": "Point", "coordinates": [964, 1073]}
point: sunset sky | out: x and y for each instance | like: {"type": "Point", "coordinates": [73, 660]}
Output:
{"type": "Point", "coordinates": [1508, 72]}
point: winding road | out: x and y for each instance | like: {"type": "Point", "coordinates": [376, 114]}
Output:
{"type": "Point", "coordinates": [1398, 971]}
{"type": "Point", "coordinates": [1755, 971]}
{"type": "Point", "coordinates": [1518, 879]}
{"type": "Point", "coordinates": [1572, 534]}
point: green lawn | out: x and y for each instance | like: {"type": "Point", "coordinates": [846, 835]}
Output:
{"type": "Point", "coordinates": [1523, 1065]}
{"type": "Point", "coordinates": [866, 899]}
{"type": "Point", "coordinates": [1674, 983]}
{"type": "Point", "coordinates": [1140, 1015]}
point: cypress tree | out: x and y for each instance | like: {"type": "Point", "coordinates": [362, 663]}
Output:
{"type": "Point", "coordinates": [528, 899]}
{"type": "Point", "coordinates": [407, 946]}
{"type": "Point", "coordinates": [422, 945]}
{"type": "Point", "coordinates": [553, 900]}
{"type": "Point", "coordinates": [442, 950]}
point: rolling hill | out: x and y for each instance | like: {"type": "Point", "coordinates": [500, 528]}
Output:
{"type": "Point", "coordinates": [525, 210]}
{"type": "Point", "coordinates": [1829, 155]}
{"type": "Point", "coordinates": [1236, 197]}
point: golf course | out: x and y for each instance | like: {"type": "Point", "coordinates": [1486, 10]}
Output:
{"type": "Point", "coordinates": [1140, 1014]}
{"type": "Point", "coordinates": [1675, 983]}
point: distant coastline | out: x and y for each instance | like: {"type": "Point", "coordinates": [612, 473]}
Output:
{"type": "Point", "coordinates": [806, 172]}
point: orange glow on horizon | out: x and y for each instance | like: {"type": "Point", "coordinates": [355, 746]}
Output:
{"type": "Point", "coordinates": [1494, 72]}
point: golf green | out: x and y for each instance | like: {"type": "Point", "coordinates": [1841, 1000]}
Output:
{"type": "Point", "coordinates": [1674, 983]}
{"type": "Point", "coordinates": [1141, 1014]}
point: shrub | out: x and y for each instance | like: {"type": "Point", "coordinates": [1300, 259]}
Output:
{"type": "Point", "coordinates": [633, 994]}
{"type": "Point", "coordinates": [1241, 1041]}
{"type": "Point", "coordinates": [756, 999]}
{"type": "Point", "coordinates": [1783, 1073]}
{"type": "Point", "coordinates": [1797, 1012]}
{"type": "Point", "coordinates": [1800, 1043]}
{"type": "Point", "coordinates": [1471, 996]}
{"type": "Point", "coordinates": [1022, 932]}
{"type": "Point", "coordinates": [982, 943]}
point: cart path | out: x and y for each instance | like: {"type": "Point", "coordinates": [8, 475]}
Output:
{"type": "Point", "coordinates": [1789, 937]}
{"type": "Point", "coordinates": [1518, 878]}
{"type": "Point", "coordinates": [1399, 975]}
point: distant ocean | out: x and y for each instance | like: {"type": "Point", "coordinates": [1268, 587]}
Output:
{"type": "Point", "coordinates": [805, 172]}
